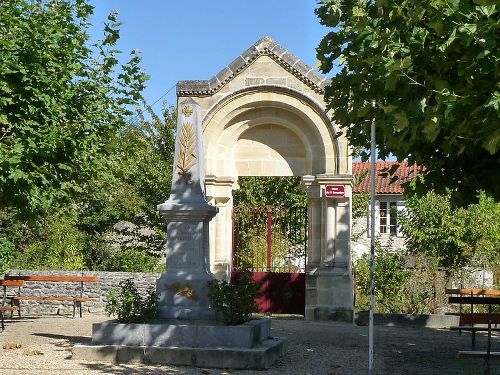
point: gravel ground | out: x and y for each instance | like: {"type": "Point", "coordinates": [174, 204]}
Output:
{"type": "Point", "coordinates": [325, 348]}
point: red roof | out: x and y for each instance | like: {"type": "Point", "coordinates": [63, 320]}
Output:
{"type": "Point", "coordinates": [385, 183]}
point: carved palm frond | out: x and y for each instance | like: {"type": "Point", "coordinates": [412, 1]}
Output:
{"type": "Point", "coordinates": [186, 158]}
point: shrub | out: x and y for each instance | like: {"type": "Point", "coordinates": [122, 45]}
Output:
{"type": "Point", "coordinates": [103, 257]}
{"type": "Point", "coordinates": [7, 254]}
{"type": "Point", "coordinates": [234, 302]}
{"type": "Point", "coordinates": [61, 245]}
{"type": "Point", "coordinates": [391, 272]}
{"type": "Point", "coordinates": [128, 305]}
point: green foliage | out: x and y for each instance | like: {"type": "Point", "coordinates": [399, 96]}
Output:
{"type": "Point", "coordinates": [399, 288]}
{"type": "Point", "coordinates": [107, 202]}
{"type": "Point", "coordinates": [439, 237]}
{"type": "Point", "coordinates": [483, 233]}
{"type": "Point", "coordinates": [131, 260]}
{"type": "Point", "coordinates": [270, 191]}
{"type": "Point", "coordinates": [234, 303]}
{"type": "Point", "coordinates": [432, 69]}
{"type": "Point", "coordinates": [61, 101]}
{"type": "Point", "coordinates": [141, 155]}
{"type": "Point", "coordinates": [69, 148]}
{"type": "Point", "coordinates": [360, 203]}
{"type": "Point", "coordinates": [453, 237]}
{"type": "Point", "coordinates": [145, 152]}
{"type": "Point", "coordinates": [60, 246]}
{"type": "Point", "coordinates": [433, 228]}
{"type": "Point", "coordinates": [128, 305]}
{"type": "Point", "coordinates": [7, 254]}
{"type": "Point", "coordinates": [391, 272]}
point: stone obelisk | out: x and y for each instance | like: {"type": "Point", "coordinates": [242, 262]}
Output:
{"type": "Point", "coordinates": [182, 290]}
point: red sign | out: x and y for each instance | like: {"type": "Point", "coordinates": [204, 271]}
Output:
{"type": "Point", "coordinates": [334, 191]}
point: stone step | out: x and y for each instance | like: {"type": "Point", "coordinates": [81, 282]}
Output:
{"type": "Point", "coordinates": [260, 357]}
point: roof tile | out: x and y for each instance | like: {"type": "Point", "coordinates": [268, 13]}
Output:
{"type": "Point", "coordinates": [385, 183]}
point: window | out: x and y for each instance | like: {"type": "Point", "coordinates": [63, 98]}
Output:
{"type": "Point", "coordinates": [386, 217]}
{"type": "Point", "coordinates": [388, 223]}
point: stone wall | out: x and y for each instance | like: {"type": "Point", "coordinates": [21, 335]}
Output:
{"type": "Point", "coordinates": [97, 291]}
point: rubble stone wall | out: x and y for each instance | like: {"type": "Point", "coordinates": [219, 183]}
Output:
{"type": "Point", "coordinates": [97, 291]}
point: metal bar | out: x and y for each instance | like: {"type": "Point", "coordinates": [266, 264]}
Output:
{"type": "Point", "coordinates": [235, 239]}
{"type": "Point", "coordinates": [233, 257]}
{"type": "Point", "coordinates": [373, 151]}
{"type": "Point", "coordinates": [269, 238]}
{"type": "Point", "coordinates": [489, 331]}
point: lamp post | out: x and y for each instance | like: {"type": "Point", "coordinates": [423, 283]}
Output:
{"type": "Point", "coordinates": [373, 160]}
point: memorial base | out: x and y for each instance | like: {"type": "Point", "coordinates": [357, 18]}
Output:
{"type": "Point", "coordinates": [184, 296]}
{"type": "Point", "coordinates": [196, 343]}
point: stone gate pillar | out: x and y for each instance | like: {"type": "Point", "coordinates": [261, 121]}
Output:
{"type": "Point", "coordinates": [219, 193]}
{"type": "Point", "coordinates": [329, 293]}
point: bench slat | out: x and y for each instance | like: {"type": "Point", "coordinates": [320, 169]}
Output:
{"type": "Point", "coordinates": [18, 283]}
{"type": "Point", "coordinates": [475, 300]}
{"type": "Point", "coordinates": [477, 318]}
{"type": "Point", "coordinates": [476, 292]}
{"type": "Point", "coordinates": [52, 278]}
{"type": "Point", "coordinates": [478, 353]}
{"type": "Point", "coordinates": [41, 298]}
{"type": "Point", "coordinates": [9, 308]}
{"type": "Point", "coordinates": [474, 329]}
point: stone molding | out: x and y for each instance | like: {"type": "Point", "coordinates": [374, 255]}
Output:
{"type": "Point", "coordinates": [265, 46]}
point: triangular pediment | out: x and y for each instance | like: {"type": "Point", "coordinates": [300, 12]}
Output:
{"type": "Point", "coordinates": [265, 46]}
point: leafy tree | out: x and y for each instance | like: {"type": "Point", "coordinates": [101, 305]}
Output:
{"type": "Point", "coordinates": [270, 191]}
{"type": "Point", "coordinates": [453, 237]}
{"type": "Point", "coordinates": [146, 151]}
{"type": "Point", "coordinates": [56, 244]}
{"type": "Point", "coordinates": [483, 230]}
{"type": "Point", "coordinates": [432, 227]}
{"type": "Point", "coordinates": [141, 157]}
{"type": "Point", "coordinates": [61, 100]}
{"type": "Point", "coordinates": [431, 66]}
{"type": "Point", "coordinates": [399, 287]}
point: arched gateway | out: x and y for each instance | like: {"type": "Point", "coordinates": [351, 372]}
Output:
{"type": "Point", "coordinates": [264, 115]}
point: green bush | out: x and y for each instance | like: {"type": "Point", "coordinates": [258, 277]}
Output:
{"type": "Point", "coordinates": [233, 303]}
{"type": "Point", "coordinates": [103, 257]}
{"type": "Point", "coordinates": [128, 305]}
{"type": "Point", "coordinates": [399, 287]}
{"type": "Point", "coordinates": [136, 260]}
{"type": "Point", "coordinates": [60, 246]}
{"type": "Point", "coordinates": [391, 272]}
{"type": "Point", "coordinates": [7, 254]}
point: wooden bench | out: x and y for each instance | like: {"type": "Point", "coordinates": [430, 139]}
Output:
{"type": "Point", "coordinates": [15, 300]}
{"type": "Point", "coordinates": [4, 284]}
{"type": "Point", "coordinates": [476, 322]}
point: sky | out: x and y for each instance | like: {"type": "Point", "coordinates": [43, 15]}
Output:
{"type": "Point", "coordinates": [195, 39]}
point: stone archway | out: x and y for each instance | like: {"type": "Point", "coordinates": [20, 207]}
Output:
{"type": "Point", "coordinates": [264, 115]}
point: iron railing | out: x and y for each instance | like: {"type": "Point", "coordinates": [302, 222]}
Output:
{"type": "Point", "coordinates": [270, 239]}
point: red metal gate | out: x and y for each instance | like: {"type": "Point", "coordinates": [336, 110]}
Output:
{"type": "Point", "coordinates": [271, 244]}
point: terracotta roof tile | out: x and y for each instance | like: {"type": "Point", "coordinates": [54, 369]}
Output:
{"type": "Point", "coordinates": [385, 183]}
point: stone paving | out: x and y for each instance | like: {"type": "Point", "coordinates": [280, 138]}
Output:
{"type": "Point", "coordinates": [326, 348]}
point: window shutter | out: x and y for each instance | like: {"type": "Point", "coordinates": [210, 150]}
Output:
{"type": "Point", "coordinates": [368, 221]}
{"type": "Point", "coordinates": [401, 209]}
{"type": "Point", "coordinates": [377, 219]}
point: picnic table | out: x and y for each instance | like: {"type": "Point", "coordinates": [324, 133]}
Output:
{"type": "Point", "coordinates": [476, 321]}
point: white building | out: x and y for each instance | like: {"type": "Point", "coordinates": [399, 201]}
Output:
{"type": "Point", "coordinates": [389, 201]}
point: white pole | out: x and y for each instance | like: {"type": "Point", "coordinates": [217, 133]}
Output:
{"type": "Point", "coordinates": [373, 157]}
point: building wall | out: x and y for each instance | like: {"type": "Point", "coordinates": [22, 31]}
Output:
{"type": "Point", "coordinates": [360, 231]}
